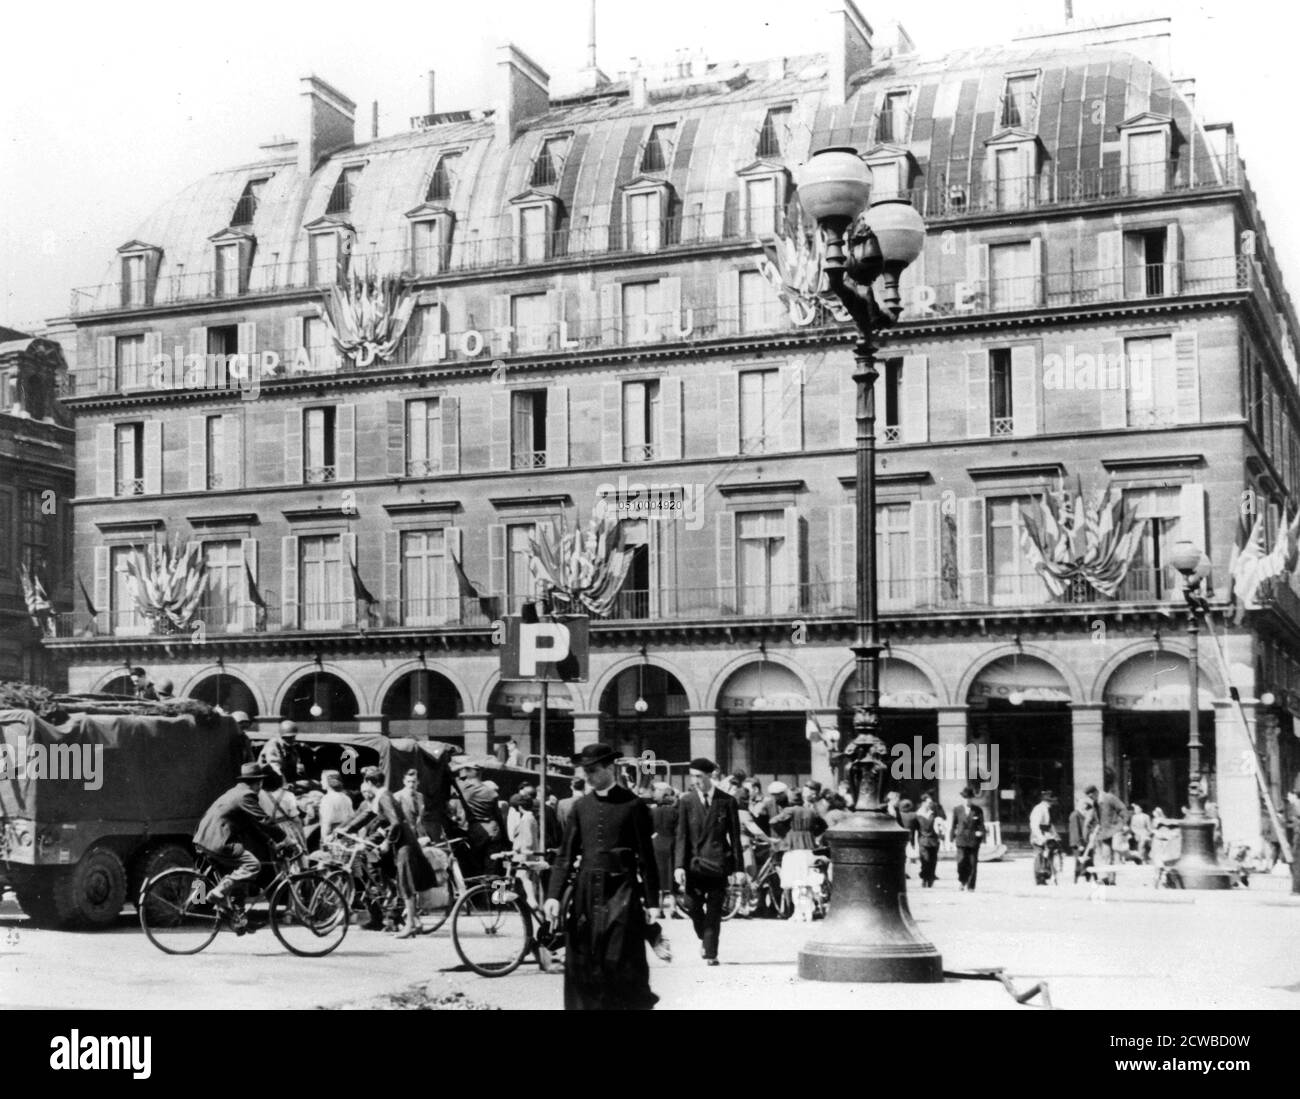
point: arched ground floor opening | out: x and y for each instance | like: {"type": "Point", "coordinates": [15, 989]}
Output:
{"type": "Point", "coordinates": [644, 710]}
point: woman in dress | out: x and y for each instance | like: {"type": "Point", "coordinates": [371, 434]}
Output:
{"type": "Point", "coordinates": [804, 825]}
{"type": "Point", "coordinates": [663, 816]}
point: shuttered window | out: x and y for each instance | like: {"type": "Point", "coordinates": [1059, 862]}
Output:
{"type": "Point", "coordinates": [424, 578]}
{"type": "Point", "coordinates": [760, 411]}
{"type": "Point", "coordinates": [319, 464]}
{"type": "Point", "coordinates": [641, 424]}
{"type": "Point", "coordinates": [423, 438]}
{"type": "Point", "coordinates": [224, 596]}
{"type": "Point", "coordinates": [128, 447]}
{"type": "Point", "coordinates": [320, 574]}
{"type": "Point", "coordinates": [1152, 386]}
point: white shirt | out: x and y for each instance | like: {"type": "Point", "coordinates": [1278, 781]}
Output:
{"type": "Point", "coordinates": [1040, 823]}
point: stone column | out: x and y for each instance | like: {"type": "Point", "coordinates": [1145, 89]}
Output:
{"type": "Point", "coordinates": [1236, 790]}
{"type": "Point", "coordinates": [952, 745]}
{"type": "Point", "coordinates": [476, 733]}
{"type": "Point", "coordinates": [586, 730]}
{"type": "Point", "coordinates": [1088, 748]}
{"type": "Point", "coordinates": [704, 739]}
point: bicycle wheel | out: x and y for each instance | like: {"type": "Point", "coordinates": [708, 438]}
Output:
{"type": "Point", "coordinates": [491, 929]}
{"type": "Point", "coordinates": [434, 916]}
{"type": "Point", "coordinates": [734, 902]}
{"type": "Point", "coordinates": [309, 914]}
{"type": "Point", "coordinates": [175, 912]}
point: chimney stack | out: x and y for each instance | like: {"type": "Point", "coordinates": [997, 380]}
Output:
{"type": "Point", "coordinates": [432, 109]}
{"type": "Point", "coordinates": [522, 90]}
{"type": "Point", "coordinates": [329, 123]}
{"type": "Point", "coordinates": [638, 88]}
{"type": "Point", "coordinates": [849, 47]}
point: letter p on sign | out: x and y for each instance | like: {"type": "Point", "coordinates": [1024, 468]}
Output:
{"type": "Point", "coordinates": [541, 643]}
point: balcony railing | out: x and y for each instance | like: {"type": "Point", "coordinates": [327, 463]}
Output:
{"type": "Point", "coordinates": [130, 486]}
{"type": "Point", "coordinates": [319, 475]}
{"type": "Point", "coordinates": [528, 459]}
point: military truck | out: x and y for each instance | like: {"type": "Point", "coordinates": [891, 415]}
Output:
{"type": "Point", "coordinates": [93, 805]}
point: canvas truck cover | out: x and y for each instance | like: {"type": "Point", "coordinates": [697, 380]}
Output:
{"type": "Point", "coordinates": [147, 768]}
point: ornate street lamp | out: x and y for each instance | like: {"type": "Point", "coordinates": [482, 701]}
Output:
{"type": "Point", "coordinates": [869, 934]}
{"type": "Point", "coordinates": [1197, 866]}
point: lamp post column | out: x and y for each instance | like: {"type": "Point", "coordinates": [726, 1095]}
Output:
{"type": "Point", "coordinates": [866, 649]}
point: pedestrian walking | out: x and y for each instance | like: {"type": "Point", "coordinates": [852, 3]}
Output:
{"type": "Point", "coordinates": [1112, 819]}
{"type": "Point", "coordinates": [411, 802]}
{"type": "Point", "coordinates": [1293, 826]}
{"type": "Point", "coordinates": [1139, 826]}
{"type": "Point", "coordinates": [708, 852]}
{"type": "Point", "coordinates": [1082, 822]}
{"type": "Point", "coordinates": [1043, 837]}
{"type": "Point", "coordinates": [968, 833]}
{"type": "Point", "coordinates": [609, 837]}
{"type": "Point", "coordinates": [925, 835]}
{"type": "Point", "coordinates": [663, 817]}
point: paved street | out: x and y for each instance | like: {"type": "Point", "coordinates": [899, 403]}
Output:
{"type": "Point", "coordinates": [1135, 949]}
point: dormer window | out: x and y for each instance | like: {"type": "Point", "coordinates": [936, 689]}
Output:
{"type": "Point", "coordinates": [776, 127]}
{"type": "Point", "coordinates": [645, 214]}
{"type": "Point", "coordinates": [443, 183]}
{"type": "Point", "coordinates": [246, 207]}
{"type": "Point", "coordinates": [431, 227]}
{"type": "Point", "coordinates": [894, 120]}
{"type": "Point", "coordinates": [1147, 153]}
{"type": "Point", "coordinates": [329, 245]}
{"type": "Point", "coordinates": [658, 151]}
{"type": "Point", "coordinates": [550, 162]}
{"type": "Point", "coordinates": [232, 257]}
{"type": "Point", "coordinates": [344, 189]}
{"type": "Point", "coordinates": [764, 190]}
{"type": "Point", "coordinates": [1011, 166]}
{"type": "Point", "coordinates": [1020, 102]}
{"type": "Point", "coordinates": [139, 273]}
{"type": "Point", "coordinates": [891, 171]}
{"type": "Point", "coordinates": [535, 215]}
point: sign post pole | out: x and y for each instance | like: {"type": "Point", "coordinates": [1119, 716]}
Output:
{"type": "Point", "coordinates": [541, 812]}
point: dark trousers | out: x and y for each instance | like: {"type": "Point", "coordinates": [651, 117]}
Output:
{"type": "Point", "coordinates": [929, 860]}
{"type": "Point", "coordinates": [968, 865]}
{"type": "Point", "coordinates": [706, 894]}
{"type": "Point", "coordinates": [241, 866]}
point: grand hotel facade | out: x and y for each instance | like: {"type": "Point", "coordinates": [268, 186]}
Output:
{"type": "Point", "coordinates": [588, 311]}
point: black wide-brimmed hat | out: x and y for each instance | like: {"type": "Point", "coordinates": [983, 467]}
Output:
{"type": "Point", "coordinates": [253, 771]}
{"type": "Point", "coordinates": [595, 755]}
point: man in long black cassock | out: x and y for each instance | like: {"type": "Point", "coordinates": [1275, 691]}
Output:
{"type": "Point", "coordinates": [608, 834]}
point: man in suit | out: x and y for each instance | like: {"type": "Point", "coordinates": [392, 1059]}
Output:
{"type": "Point", "coordinates": [1112, 819]}
{"type": "Point", "coordinates": [233, 822]}
{"type": "Point", "coordinates": [1082, 822]}
{"type": "Point", "coordinates": [967, 834]}
{"type": "Point", "coordinates": [707, 852]}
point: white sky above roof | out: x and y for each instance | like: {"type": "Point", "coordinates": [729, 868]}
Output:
{"type": "Point", "coordinates": [109, 110]}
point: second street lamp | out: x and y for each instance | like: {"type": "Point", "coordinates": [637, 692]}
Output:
{"type": "Point", "coordinates": [869, 934]}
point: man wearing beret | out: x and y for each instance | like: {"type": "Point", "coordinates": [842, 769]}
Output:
{"type": "Point", "coordinates": [708, 852]}
{"type": "Point", "coordinates": [608, 838]}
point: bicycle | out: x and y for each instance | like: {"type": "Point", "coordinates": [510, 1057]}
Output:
{"type": "Point", "coordinates": [492, 924]}
{"type": "Point", "coordinates": [1049, 860]}
{"type": "Point", "coordinates": [759, 891]}
{"type": "Point", "coordinates": [305, 910]}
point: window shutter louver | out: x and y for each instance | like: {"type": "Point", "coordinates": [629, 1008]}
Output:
{"type": "Point", "coordinates": [293, 447]}
{"type": "Point", "coordinates": [843, 553]}
{"type": "Point", "coordinates": [101, 582]}
{"type": "Point", "coordinates": [233, 428]}
{"type": "Point", "coordinates": [497, 561]}
{"type": "Point", "coordinates": [396, 450]}
{"type": "Point", "coordinates": [671, 442]}
{"type": "Point", "coordinates": [977, 267]}
{"type": "Point", "coordinates": [726, 559]}
{"type": "Point", "coordinates": [1112, 385]}
{"type": "Point", "coordinates": [728, 303]}
{"type": "Point", "coordinates": [611, 423]}
{"type": "Point", "coordinates": [925, 553]}
{"type": "Point", "coordinates": [1191, 515]}
{"type": "Point", "coordinates": [345, 443]}
{"type": "Point", "coordinates": [289, 582]}
{"type": "Point", "coordinates": [977, 394]}
{"type": "Point", "coordinates": [972, 553]}
{"type": "Point", "coordinates": [791, 411]}
{"type": "Point", "coordinates": [449, 409]}
{"type": "Point", "coordinates": [105, 364]}
{"type": "Point", "coordinates": [670, 298]}
{"type": "Point", "coordinates": [198, 453]}
{"type": "Point", "coordinates": [1025, 391]}
{"type": "Point", "coordinates": [395, 611]}
{"type": "Point", "coordinates": [153, 349]}
{"type": "Point", "coordinates": [499, 439]}
{"type": "Point", "coordinates": [499, 318]}
{"type": "Point", "coordinates": [1174, 258]}
{"type": "Point", "coordinates": [197, 342]}
{"type": "Point", "coordinates": [1110, 259]}
{"type": "Point", "coordinates": [347, 598]}
{"type": "Point", "coordinates": [555, 304]}
{"type": "Point", "coordinates": [247, 341]}
{"type": "Point", "coordinates": [153, 457]}
{"type": "Point", "coordinates": [916, 399]}
{"type": "Point", "coordinates": [728, 413]}
{"type": "Point", "coordinates": [452, 610]}
{"type": "Point", "coordinates": [611, 314]}
{"type": "Point", "coordinates": [1036, 269]}
{"type": "Point", "coordinates": [792, 556]}
{"type": "Point", "coordinates": [247, 617]}
{"type": "Point", "coordinates": [557, 426]}
{"type": "Point", "coordinates": [1187, 379]}
{"type": "Point", "coordinates": [105, 461]}
{"type": "Point", "coordinates": [295, 339]}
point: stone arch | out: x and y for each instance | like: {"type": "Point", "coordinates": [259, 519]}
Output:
{"type": "Point", "coordinates": [742, 660]}
{"type": "Point", "coordinates": [1117, 660]}
{"type": "Point", "coordinates": [395, 676]}
{"type": "Point", "coordinates": [295, 674]}
{"type": "Point", "coordinates": [600, 685]}
{"type": "Point", "coordinates": [1006, 650]}
{"type": "Point", "coordinates": [904, 656]}
{"type": "Point", "coordinates": [212, 670]}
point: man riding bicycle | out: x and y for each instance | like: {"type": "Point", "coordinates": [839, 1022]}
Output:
{"type": "Point", "coordinates": [224, 834]}
{"type": "Point", "coordinates": [1042, 834]}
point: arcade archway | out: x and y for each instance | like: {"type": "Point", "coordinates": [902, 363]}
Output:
{"type": "Point", "coordinates": [659, 724]}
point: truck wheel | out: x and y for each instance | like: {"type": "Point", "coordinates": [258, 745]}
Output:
{"type": "Point", "coordinates": [165, 856]}
{"type": "Point", "coordinates": [93, 894]}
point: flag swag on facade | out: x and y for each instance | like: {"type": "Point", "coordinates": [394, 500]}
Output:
{"type": "Point", "coordinates": [489, 605]}
{"type": "Point", "coordinates": [366, 315]}
{"type": "Point", "coordinates": [38, 602]}
{"type": "Point", "coordinates": [167, 583]}
{"type": "Point", "coordinates": [581, 572]}
{"type": "Point", "coordinates": [792, 263]}
{"type": "Point", "coordinates": [1253, 569]}
{"type": "Point", "coordinates": [1067, 536]}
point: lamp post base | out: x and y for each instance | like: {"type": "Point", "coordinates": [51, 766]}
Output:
{"type": "Point", "coordinates": [1197, 867]}
{"type": "Point", "coordinates": [869, 934]}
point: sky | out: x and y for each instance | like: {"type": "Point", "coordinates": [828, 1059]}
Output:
{"type": "Point", "coordinates": [107, 109]}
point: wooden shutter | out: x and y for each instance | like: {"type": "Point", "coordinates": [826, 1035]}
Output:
{"type": "Point", "coordinates": [198, 453]}
{"type": "Point", "coordinates": [247, 340]}
{"type": "Point", "coordinates": [1191, 515]}
{"type": "Point", "coordinates": [557, 426]}
{"type": "Point", "coordinates": [232, 425]}
{"type": "Point", "coordinates": [791, 426]}
{"type": "Point", "coordinates": [670, 301]}
{"type": "Point", "coordinates": [289, 582]}
{"type": "Point", "coordinates": [972, 549]}
{"type": "Point", "coordinates": [842, 548]}
{"type": "Point", "coordinates": [916, 399]}
{"type": "Point", "coordinates": [391, 589]}
{"type": "Point", "coordinates": [728, 303]}
{"type": "Point", "coordinates": [497, 560]}
{"type": "Point", "coordinates": [293, 447]}
{"type": "Point", "coordinates": [611, 423]}
{"type": "Point", "coordinates": [1187, 379]}
{"type": "Point", "coordinates": [153, 349]}
{"type": "Point", "coordinates": [1112, 386]}
{"type": "Point", "coordinates": [555, 310]}
{"type": "Point", "coordinates": [977, 270]}
{"type": "Point", "coordinates": [925, 553]}
{"type": "Point", "coordinates": [1173, 258]}
{"type": "Point", "coordinates": [348, 596]}
{"type": "Point", "coordinates": [105, 461]}
{"type": "Point", "coordinates": [246, 619]}
{"type": "Point", "coordinates": [726, 559]}
{"type": "Point", "coordinates": [449, 410]}
{"type": "Point", "coordinates": [1110, 261]}
{"type": "Point", "coordinates": [294, 341]}
{"type": "Point", "coordinates": [345, 442]}
{"type": "Point", "coordinates": [977, 394]}
{"type": "Point", "coordinates": [729, 413]}
{"type": "Point", "coordinates": [153, 457]}
{"type": "Point", "coordinates": [396, 450]}
{"type": "Point", "coordinates": [450, 583]}
{"type": "Point", "coordinates": [105, 364]}
{"type": "Point", "coordinates": [792, 553]}
{"type": "Point", "coordinates": [1036, 268]}
{"type": "Point", "coordinates": [589, 302]}
{"type": "Point", "coordinates": [611, 313]}
{"type": "Point", "coordinates": [197, 343]}
{"type": "Point", "coordinates": [499, 319]}
{"type": "Point", "coordinates": [1026, 393]}
{"type": "Point", "coordinates": [671, 441]}
{"type": "Point", "coordinates": [499, 438]}
{"type": "Point", "coordinates": [101, 582]}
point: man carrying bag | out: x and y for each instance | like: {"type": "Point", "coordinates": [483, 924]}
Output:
{"type": "Point", "coordinates": [707, 852]}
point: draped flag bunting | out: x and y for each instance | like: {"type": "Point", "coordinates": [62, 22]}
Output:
{"type": "Point", "coordinates": [1253, 568]}
{"type": "Point", "coordinates": [582, 571]}
{"type": "Point", "coordinates": [1067, 536]}
{"type": "Point", "coordinates": [792, 263]}
{"type": "Point", "coordinates": [366, 315]}
{"type": "Point", "coordinates": [168, 583]}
